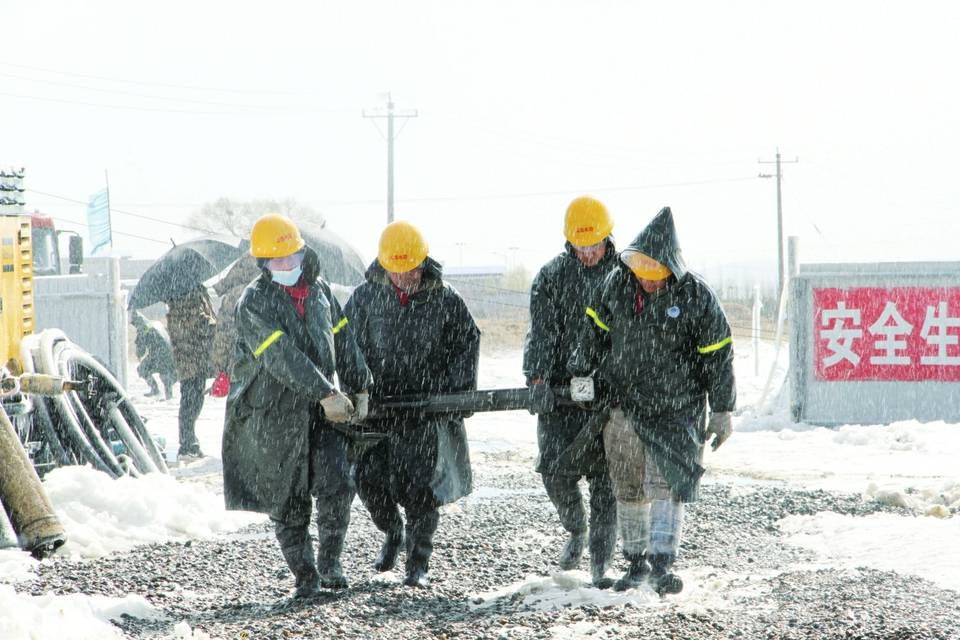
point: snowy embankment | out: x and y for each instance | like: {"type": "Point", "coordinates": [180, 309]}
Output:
{"type": "Point", "coordinates": [908, 471]}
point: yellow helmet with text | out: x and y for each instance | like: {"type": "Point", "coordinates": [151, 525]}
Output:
{"type": "Point", "coordinates": [587, 222]}
{"type": "Point", "coordinates": [274, 236]}
{"type": "Point", "coordinates": [402, 247]}
{"type": "Point", "coordinates": [643, 266]}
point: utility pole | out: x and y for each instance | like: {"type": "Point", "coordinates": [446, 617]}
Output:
{"type": "Point", "coordinates": [779, 176]}
{"type": "Point", "coordinates": [390, 113]}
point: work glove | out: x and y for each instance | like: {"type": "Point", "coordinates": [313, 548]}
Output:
{"type": "Point", "coordinates": [221, 386]}
{"type": "Point", "coordinates": [581, 389]}
{"type": "Point", "coordinates": [541, 397]}
{"type": "Point", "coordinates": [337, 407]}
{"type": "Point", "coordinates": [720, 426]}
{"type": "Point", "coordinates": [361, 402]}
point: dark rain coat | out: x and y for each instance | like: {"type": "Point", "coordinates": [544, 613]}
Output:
{"type": "Point", "coordinates": [153, 349]}
{"type": "Point", "coordinates": [431, 344]}
{"type": "Point", "coordinates": [662, 364]}
{"type": "Point", "coordinates": [191, 323]}
{"type": "Point", "coordinates": [282, 367]}
{"type": "Point", "coordinates": [560, 292]}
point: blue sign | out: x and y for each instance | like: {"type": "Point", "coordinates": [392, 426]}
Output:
{"type": "Point", "coordinates": [98, 221]}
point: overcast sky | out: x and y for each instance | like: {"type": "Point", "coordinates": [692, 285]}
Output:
{"type": "Point", "coordinates": [522, 106]}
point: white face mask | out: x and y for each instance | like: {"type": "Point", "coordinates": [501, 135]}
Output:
{"type": "Point", "coordinates": [287, 278]}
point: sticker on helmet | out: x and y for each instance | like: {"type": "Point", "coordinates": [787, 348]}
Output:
{"type": "Point", "coordinates": [674, 312]}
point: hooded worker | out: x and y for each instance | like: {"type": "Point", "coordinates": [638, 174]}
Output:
{"type": "Point", "coordinates": [418, 336]}
{"type": "Point", "coordinates": [661, 346]}
{"type": "Point", "coordinates": [558, 296]}
{"type": "Point", "coordinates": [281, 443]}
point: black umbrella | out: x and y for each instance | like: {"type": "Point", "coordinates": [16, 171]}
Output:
{"type": "Point", "coordinates": [181, 270]}
{"type": "Point", "coordinates": [339, 262]}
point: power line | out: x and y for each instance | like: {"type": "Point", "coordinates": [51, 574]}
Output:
{"type": "Point", "coordinates": [114, 106]}
{"type": "Point", "coordinates": [119, 233]}
{"type": "Point", "coordinates": [154, 84]}
{"type": "Point", "coordinates": [142, 95]}
{"type": "Point", "coordinates": [128, 213]}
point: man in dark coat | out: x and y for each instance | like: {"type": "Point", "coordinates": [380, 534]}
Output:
{"type": "Point", "coordinates": [560, 292]}
{"type": "Point", "coordinates": [281, 442]}
{"type": "Point", "coordinates": [155, 355]}
{"type": "Point", "coordinates": [417, 335]}
{"type": "Point", "coordinates": [661, 347]}
{"type": "Point", "coordinates": [191, 323]}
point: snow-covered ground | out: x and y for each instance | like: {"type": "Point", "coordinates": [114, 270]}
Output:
{"type": "Point", "coordinates": [907, 464]}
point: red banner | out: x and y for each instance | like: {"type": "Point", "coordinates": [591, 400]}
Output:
{"type": "Point", "coordinates": [906, 334]}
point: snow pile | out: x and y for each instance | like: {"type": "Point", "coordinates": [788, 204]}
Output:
{"type": "Point", "coordinates": [16, 565]}
{"type": "Point", "coordinates": [705, 588]}
{"type": "Point", "coordinates": [922, 546]}
{"type": "Point", "coordinates": [102, 515]}
{"type": "Point", "coordinates": [48, 617]}
{"type": "Point", "coordinates": [907, 464]}
{"type": "Point", "coordinates": [182, 631]}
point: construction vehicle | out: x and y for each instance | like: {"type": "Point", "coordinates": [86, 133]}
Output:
{"type": "Point", "coordinates": [47, 247]}
{"type": "Point", "coordinates": [60, 405]}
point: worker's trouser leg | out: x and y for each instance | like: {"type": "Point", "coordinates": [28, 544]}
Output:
{"type": "Point", "coordinates": [297, 550]}
{"type": "Point", "coordinates": [191, 402]}
{"type": "Point", "coordinates": [423, 517]}
{"type": "Point", "coordinates": [603, 522]}
{"type": "Point", "coordinates": [651, 516]}
{"type": "Point", "coordinates": [333, 519]}
{"type": "Point", "coordinates": [564, 493]}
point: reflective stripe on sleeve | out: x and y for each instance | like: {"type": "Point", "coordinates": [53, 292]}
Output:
{"type": "Point", "coordinates": [710, 348]}
{"type": "Point", "coordinates": [596, 319]}
{"type": "Point", "coordinates": [339, 325]}
{"type": "Point", "coordinates": [266, 343]}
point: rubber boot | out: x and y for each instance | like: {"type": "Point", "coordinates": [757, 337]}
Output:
{"type": "Point", "coordinates": [333, 518]}
{"type": "Point", "coordinates": [663, 581]}
{"type": "Point", "coordinates": [168, 388]}
{"type": "Point", "coordinates": [420, 530]}
{"type": "Point", "coordinates": [572, 551]}
{"type": "Point", "coordinates": [387, 557]}
{"type": "Point", "coordinates": [636, 573]}
{"type": "Point", "coordinates": [603, 539]}
{"type": "Point", "coordinates": [296, 547]}
{"type": "Point", "coordinates": [154, 388]}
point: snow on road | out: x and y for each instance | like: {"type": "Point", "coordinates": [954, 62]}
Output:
{"type": "Point", "coordinates": [908, 464]}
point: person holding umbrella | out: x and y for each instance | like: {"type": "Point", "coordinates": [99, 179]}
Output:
{"type": "Point", "coordinates": [284, 437]}
{"type": "Point", "coordinates": [191, 323]}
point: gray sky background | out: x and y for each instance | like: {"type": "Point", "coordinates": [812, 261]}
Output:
{"type": "Point", "coordinates": [522, 106]}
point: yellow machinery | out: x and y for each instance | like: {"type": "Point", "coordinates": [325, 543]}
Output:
{"type": "Point", "coordinates": [22, 497]}
{"type": "Point", "coordinates": [16, 287]}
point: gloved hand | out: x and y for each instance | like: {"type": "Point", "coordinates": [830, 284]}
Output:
{"type": "Point", "coordinates": [581, 389]}
{"type": "Point", "coordinates": [541, 397]}
{"type": "Point", "coordinates": [361, 402]}
{"type": "Point", "coordinates": [720, 426]}
{"type": "Point", "coordinates": [221, 386]}
{"type": "Point", "coordinates": [337, 407]}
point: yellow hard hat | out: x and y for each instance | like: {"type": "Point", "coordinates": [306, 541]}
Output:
{"type": "Point", "coordinates": [274, 236]}
{"type": "Point", "coordinates": [402, 247]}
{"type": "Point", "coordinates": [644, 267]}
{"type": "Point", "coordinates": [587, 222]}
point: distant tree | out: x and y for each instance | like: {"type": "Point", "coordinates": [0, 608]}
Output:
{"type": "Point", "coordinates": [236, 217]}
{"type": "Point", "coordinates": [517, 278]}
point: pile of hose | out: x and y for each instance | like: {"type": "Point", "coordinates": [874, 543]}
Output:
{"type": "Point", "coordinates": [99, 426]}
